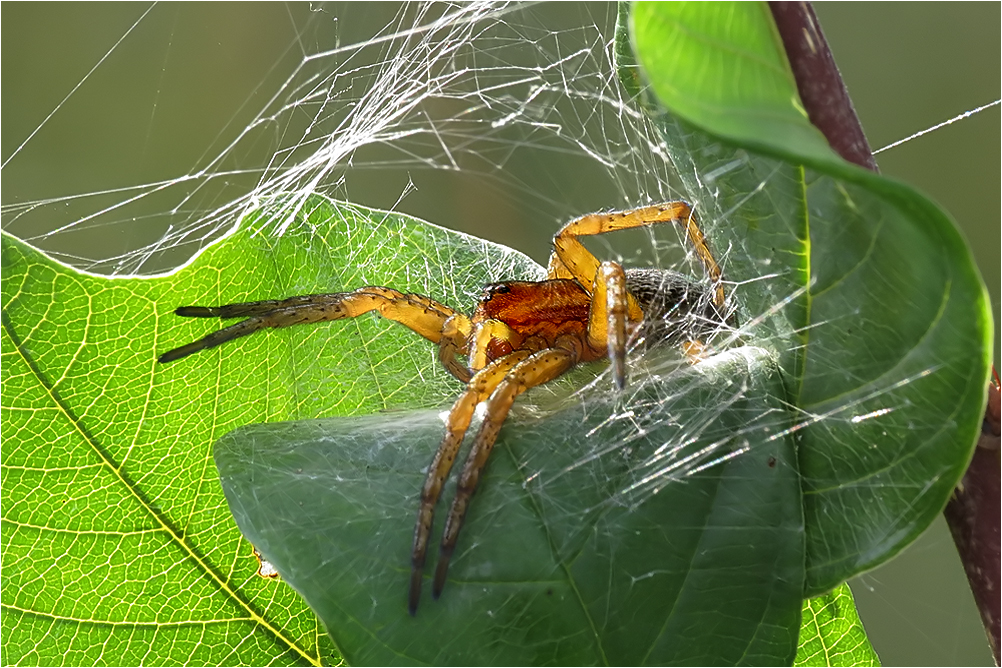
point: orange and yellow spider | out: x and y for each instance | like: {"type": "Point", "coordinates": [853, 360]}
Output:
{"type": "Point", "coordinates": [522, 334]}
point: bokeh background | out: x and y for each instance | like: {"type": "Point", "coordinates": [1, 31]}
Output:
{"type": "Point", "coordinates": [83, 123]}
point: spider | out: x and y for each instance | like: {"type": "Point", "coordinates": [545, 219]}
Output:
{"type": "Point", "coordinates": [522, 334]}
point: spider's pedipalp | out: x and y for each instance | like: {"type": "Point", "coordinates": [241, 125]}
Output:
{"type": "Point", "coordinates": [540, 368]}
{"type": "Point", "coordinates": [455, 338]}
{"type": "Point", "coordinates": [492, 336]}
{"type": "Point", "coordinates": [478, 389]}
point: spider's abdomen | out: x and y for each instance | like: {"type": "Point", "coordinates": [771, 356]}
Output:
{"type": "Point", "coordinates": [676, 308]}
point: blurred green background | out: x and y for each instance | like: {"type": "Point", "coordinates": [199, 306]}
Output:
{"type": "Point", "coordinates": [185, 80]}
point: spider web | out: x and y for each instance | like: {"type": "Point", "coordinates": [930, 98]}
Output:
{"type": "Point", "coordinates": [499, 91]}
{"type": "Point", "coordinates": [485, 94]}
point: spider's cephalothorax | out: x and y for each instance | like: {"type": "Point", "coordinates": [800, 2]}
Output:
{"type": "Point", "coordinates": [522, 334]}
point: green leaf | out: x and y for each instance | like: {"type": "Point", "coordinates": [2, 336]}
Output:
{"type": "Point", "coordinates": [884, 332]}
{"type": "Point", "coordinates": [117, 544]}
{"type": "Point", "coordinates": [580, 548]}
{"type": "Point", "coordinates": [724, 68]}
{"type": "Point", "coordinates": [832, 634]}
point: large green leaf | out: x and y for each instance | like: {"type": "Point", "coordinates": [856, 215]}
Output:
{"type": "Point", "coordinates": [724, 68]}
{"type": "Point", "coordinates": [118, 546]}
{"type": "Point", "coordinates": [886, 336]}
{"type": "Point", "coordinates": [590, 541]}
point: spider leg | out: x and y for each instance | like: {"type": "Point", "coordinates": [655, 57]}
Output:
{"type": "Point", "coordinates": [609, 315]}
{"type": "Point", "coordinates": [434, 321]}
{"type": "Point", "coordinates": [478, 389]}
{"type": "Point", "coordinates": [570, 259]}
{"type": "Point", "coordinates": [540, 368]}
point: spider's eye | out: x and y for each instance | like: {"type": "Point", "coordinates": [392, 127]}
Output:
{"type": "Point", "coordinates": [496, 289]}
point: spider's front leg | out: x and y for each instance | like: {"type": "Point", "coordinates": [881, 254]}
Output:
{"type": "Point", "coordinates": [434, 321]}
{"type": "Point", "coordinates": [540, 368]}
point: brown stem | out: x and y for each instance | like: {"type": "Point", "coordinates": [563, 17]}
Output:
{"type": "Point", "coordinates": [973, 517]}
{"type": "Point", "coordinates": [973, 511]}
{"type": "Point", "coordinates": [819, 82]}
